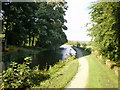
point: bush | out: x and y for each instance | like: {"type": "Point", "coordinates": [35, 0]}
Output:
{"type": "Point", "coordinates": [18, 76]}
{"type": "Point", "coordinates": [21, 76]}
{"type": "Point", "coordinates": [37, 76]}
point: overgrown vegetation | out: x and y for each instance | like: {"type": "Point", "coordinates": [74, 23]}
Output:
{"type": "Point", "coordinates": [105, 17]}
{"type": "Point", "coordinates": [21, 76]}
{"type": "Point", "coordinates": [61, 74]}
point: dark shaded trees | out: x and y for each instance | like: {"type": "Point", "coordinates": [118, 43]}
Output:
{"type": "Point", "coordinates": [18, 18]}
{"type": "Point", "coordinates": [34, 24]}
{"type": "Point", "coordinates": [51, 20]}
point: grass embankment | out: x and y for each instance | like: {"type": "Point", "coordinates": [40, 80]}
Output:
{"type": "Point", "coordinates": [60, 74]}
{"type": "Point", "coordinates": [100, 76]}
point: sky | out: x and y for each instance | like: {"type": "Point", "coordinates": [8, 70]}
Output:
{"type": "Point", "coordinates": [77, 16]}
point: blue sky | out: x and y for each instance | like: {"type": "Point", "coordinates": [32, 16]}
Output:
{"type": "Point", "coordinates": [77, 16]}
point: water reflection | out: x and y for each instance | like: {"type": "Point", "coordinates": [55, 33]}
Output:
{"type": "Point", "coordinates": [50, 57]}
{"type": "Point", "coordinates": [43, 59]}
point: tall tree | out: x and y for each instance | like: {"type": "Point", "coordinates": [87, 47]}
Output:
{"type": "Point", "coordinates": [16, 21]}
{"type": "Point", "coordinates": [34, 23]}
{"type": "Point", "coordinates": [105, 17]}
{"type": "Point", "coordinates": [51, 20]}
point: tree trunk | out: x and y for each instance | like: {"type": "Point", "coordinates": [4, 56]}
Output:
{"type": "Point", "coordinates": [5, 46]}
{"type": "Point", "coordinates": [33, 40]}
{"type": "Point", "coordinates": [29, 40]}
{"type": "Point", "coordinates": [37, 42]}
{"type": "Point", "coordinates": [24, 43]}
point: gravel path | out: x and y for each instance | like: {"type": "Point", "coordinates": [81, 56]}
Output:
{"type": "Point", "coordinates": [80, 79]}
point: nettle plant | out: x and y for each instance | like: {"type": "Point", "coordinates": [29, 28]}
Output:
{"type": "Point", "coordinates": [18, 75]}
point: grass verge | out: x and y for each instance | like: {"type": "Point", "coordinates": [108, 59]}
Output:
{"type": "Point", "coordinates": [60, 74]}
{"type": "Point", "coordinates": [100, 76]}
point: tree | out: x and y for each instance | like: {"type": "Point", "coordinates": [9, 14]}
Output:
{"type": "Point", "coordinates": [105, 17]}
{"type": "Point", "coordinates": [16, 20]}
{"type": "Point", "coordinates": [40, 24]}
{"type": "Point", "coordinates": [51, 20]}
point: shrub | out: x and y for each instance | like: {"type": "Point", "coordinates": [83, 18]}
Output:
{"type": "Point", "coordinates": [18, 76]}
{"type": "Point", "coordinates": [37, 76]}
{"type": "Point", "coordinates": [21, 76]}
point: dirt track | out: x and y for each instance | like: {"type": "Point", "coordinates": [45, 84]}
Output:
{"type": "Point", "coordinates": [80, 79]}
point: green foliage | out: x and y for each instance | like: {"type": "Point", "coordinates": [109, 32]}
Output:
{"type": "Point", "coordinates": [62, 73]}
{"type": "Point", "coordinates": [21, 76]}
{"type": "Point", "coordinates": [83, 45]}
{"type": "Point", "coordinates": [105, 17]}
{"type": "Point", "coordinates": [18, 17]}
{"type": "Point", "coordinates": [18, 76]}
{"type": "Point", "coordinates": [38, 24]}
{"type": "Point", "coordinates": [51, 20]}
{"type": "Point", "coordinates": [73, 43]}
{"type": "Point", "coordinates": [37, 76]}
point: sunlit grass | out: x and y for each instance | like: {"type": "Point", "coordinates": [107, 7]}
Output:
{"type": "Point", "coordinates": [100, 76]}
{"type": "Point", "coordinates": [61, 74]}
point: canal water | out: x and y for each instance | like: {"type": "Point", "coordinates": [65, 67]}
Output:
{"type": "Point", "coordinates": [46, 58]}
{"type": "Point", "coordinates": [49, 57]}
